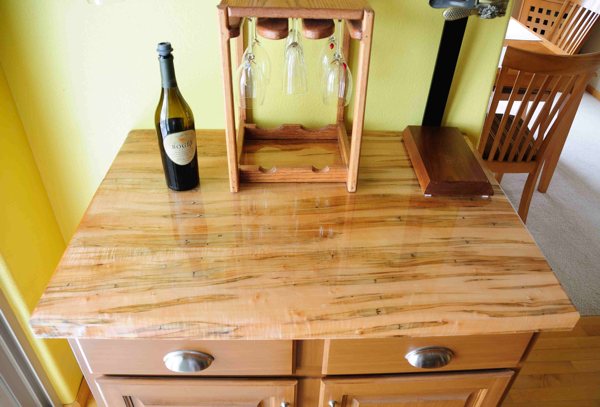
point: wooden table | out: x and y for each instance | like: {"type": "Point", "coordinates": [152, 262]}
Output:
{"type": "Point", "coordinates": [518, 35]}
{"type": "Point", "coordinates": [306, 273]}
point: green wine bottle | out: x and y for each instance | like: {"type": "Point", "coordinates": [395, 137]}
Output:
{"type": "Point", "coordinates": [175, 128]}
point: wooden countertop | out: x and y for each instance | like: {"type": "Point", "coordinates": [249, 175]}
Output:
{"type": "Point", "coordinates": [295, 261]}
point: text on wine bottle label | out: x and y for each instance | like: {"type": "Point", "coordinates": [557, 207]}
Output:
{"type": "Point", "coordinates": [180, 147]}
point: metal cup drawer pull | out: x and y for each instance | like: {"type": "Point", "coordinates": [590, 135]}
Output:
{"type": "Point", "coordinates": [187, 361]}
{"type": "Point", "coordinates": [430, 357]}
{"type": "Point", "coordinates": [285, 404]}
{"type": "Point", "coordinates": [332, 403]}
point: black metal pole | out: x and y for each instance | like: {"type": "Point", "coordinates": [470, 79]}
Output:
{"type": "Point", "coordinates": [445, 65]}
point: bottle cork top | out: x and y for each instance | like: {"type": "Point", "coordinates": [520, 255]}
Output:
{"type": "Point", "coordinates": [164, 49]}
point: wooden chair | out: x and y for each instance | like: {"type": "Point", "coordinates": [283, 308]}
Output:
{"type": "Point", "coordinates": [576, 20]}
{"type": "Point", "coordinates": [567, 24]}
{"type": "Point", "coordinates": [539, 15]}
{"type": "Point", "coordinates": [544, 94]}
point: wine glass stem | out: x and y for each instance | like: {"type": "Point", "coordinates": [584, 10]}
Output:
{"type": "Point", "coordinates": [296, 30]}
{"type": "Point", "coordinates": [253, 22]}
{"type": "Point", "coordinates": [338, 45]}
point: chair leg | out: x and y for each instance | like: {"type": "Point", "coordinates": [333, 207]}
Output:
{"type": "Point", "coordinates": [528, 193]}
{"type": "Point", "coordinates": [499, 176]}
{"type": "Point", "coordinates": [550, 164]}
{"type": "Point", "coordinates": [552, 156]}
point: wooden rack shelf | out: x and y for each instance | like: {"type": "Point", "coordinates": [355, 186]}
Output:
{"type": "Point", "coordinates": [280, 155]}
{"type": "Point", "coordinates": [292, 153]}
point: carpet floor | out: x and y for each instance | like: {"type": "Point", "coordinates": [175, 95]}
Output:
{"type": "Point", "coordinates": [565, 221]}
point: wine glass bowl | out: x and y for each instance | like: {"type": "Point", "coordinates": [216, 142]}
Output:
{"type": "Point", "coordinates": [294, 74]}
{"type": "Point", "coordinates": [327, 55]}
{"type": "Point", "coordinates": [255, 47]}
{"type": "Point", "coordinates": [261, 55]}
{"type": "Point", "coordinates": [253, 72]}
{"type": "Point", "coordinates": [337, 78]}
{"type": "Point", "coordinates": [337, 83]}
{"type": "Point", "coordinates": [252, 82]}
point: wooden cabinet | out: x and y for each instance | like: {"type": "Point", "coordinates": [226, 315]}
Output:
{"type": "Point", "coordinates": [434, 390]}
{"type": "Point", "coordinates": [144, 357]}
{"type": "Point", "coordinates": [388, 355]}
{"type": "Point", "coordinates": [297, 293]}
{"type": "Point", "coordinates": [143, 392]}
{"type": "Point", "coordinates": [351, 373]}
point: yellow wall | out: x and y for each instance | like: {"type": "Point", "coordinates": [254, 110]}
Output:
{"type": "Point", "coordinates": [82, 76]}
{"type": "Point", "coordinates": [30, 242]}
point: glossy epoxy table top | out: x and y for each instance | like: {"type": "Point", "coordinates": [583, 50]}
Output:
{"type": "Point", "coordinates": [295, 261]}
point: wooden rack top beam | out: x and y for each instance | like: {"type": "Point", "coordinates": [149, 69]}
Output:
{"type": "Point", "coordinates": [317, 9]}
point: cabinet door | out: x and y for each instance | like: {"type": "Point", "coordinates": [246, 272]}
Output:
{"type": "Point", "coordinates": [425, 390]}
{"type": "Point", "coordinates": [138, 392]}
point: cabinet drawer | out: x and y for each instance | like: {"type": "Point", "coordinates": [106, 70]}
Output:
{"type": "Point", "coordinates": [430, 390]}
{"type": "Point", "coordinates": [147, 392]}
{"type": "Point", "coordinates": [366, 356]}
{"type": "Point", "coordinates": [145, 357]}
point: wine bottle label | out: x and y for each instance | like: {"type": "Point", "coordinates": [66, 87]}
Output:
{"type": "Point", "coordinates": [180, 147]}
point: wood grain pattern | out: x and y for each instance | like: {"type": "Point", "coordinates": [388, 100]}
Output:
{"type": "Point", "coordinates": [317, 29]}
{"type": "Point", "coordinates": [343, 143]}
{"type": "Point", "coordinates": [360, 103]}
{"type": "Point", "coordinates": [144, 357]}
{"type": "Point", "coordinates": [83, 396]}
{"type": "Point", "coordinates": [563, 370]}
{"type": "Point", "coordinates": [593, 91]}
{"type": "Point", "coordinates": [447, 390]}
{"type": "Point", "coordinates": [548, 380]}
{"type": "Point", "coordinates": [232, 151]}
{"type": "Point", "coordinates": [291, 132]}
{"type": "Point", "coordinates": [295, 261]}
{"type": "Point", "coordinates": [128, 391]}
{"type": "Point", "coordinates": [272, 28]}
{"type": "Point", "coordinates": [345, 48]}
{"type": "Point", "coordinates": [388, 355]}
{"type": "Point", "coordinates": [327, 174]}
{"type": "Point", "coordinates": [292, 160]}
{"type": "Point", "coordinates": [319, 9]}
{"type": "Point", "coordinates": [354, 29]}
{"type": "Point", "coordinates": [444, 163]}
{"type": "Point", "coordinates": [89, 377]}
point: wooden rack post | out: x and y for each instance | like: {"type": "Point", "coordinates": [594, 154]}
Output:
{"type": "Point", "coordinates": [243, 142]}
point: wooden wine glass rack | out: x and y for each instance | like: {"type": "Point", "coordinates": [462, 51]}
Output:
{"type": "Point", "coordinates": [249, 138]}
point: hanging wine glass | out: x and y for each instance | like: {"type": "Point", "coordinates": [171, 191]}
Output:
{"type": "Point", "coordinates": [260, 54]}
{"type": "Point", "coordinates": [327, 55]}
{"type": "Point", "coordinates": [294, 74]}
{"type": "Point", "coordinates": [337, 81]}
{"type": "Point", "coordinates": [251, 74]}
{"type": "Point", "coordinates": [252, 83]}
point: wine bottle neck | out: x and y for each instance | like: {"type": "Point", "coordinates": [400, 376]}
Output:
{"type": "Point", "coordinates": [167, 72]}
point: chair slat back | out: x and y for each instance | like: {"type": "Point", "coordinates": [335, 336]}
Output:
{"type": "Point", "coordinates": [574, 24]}
{"type": "Point", "coordinates": [545, 91]}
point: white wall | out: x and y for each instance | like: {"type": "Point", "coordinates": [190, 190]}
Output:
{"type": "Point", "coordinates": [593, 45]}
